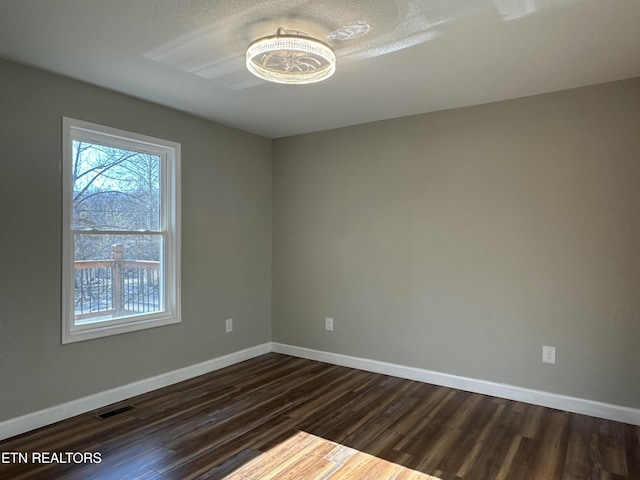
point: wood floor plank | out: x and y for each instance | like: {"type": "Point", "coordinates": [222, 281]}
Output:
{"type": "Point", "coordinates": [288, 457]}
{"type": "Point", "coordinates": [531, 424]}
{"type": "Point", "coordinates": [551, 455]}
{"type": "Point", "coordinates": [614, 458]}
{"type": "Point", "coordinates": [471, 446]}
{"type": "Point", "coordinates": [632, 448]}
{"type": "Point", "coordinates": [424, 420]}
{"type": "Point", "coordinates": [435, 449]}
{"type": "Point", "coordinates": [496, 454]}
{"type": "Point", "coordinates": [522, 466]}
{"type": "Point", "coordinates": [430, 400]}
{"type": "Point", "coordinates": [581, 460]}
{"type": "Point", "coordinates": [505, 466]}
{"type": "Point", "coordinates": [278, 417]}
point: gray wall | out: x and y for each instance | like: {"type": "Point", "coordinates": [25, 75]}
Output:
{"type": "Point", "coordinates": [226, 244]}
{"type": "Point", "coordinates": [462, 241]}
{"type": "Point", "coordinates": [458, 241]}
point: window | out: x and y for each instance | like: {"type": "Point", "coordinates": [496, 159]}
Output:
{"type": "Point", "coordinates": [121, 231]}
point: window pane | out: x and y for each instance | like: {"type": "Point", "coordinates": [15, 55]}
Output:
{"type": "Point", "coordinates": [121, 235]}
{"type": "Point", "coordinates": [115, 189]}
{"type": "Point", "coordinates": [117, 276]}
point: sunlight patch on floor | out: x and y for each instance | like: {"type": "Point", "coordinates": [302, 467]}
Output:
{"type": "Point", "coordinates": [306, 456]}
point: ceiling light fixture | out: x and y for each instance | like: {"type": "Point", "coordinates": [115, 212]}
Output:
{"type": "Point", "coordinates": [291, 58]}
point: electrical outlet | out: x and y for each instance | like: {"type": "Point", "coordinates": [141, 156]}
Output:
{"type": "Point", "coordinates": [229, 325]}
{"type": "Point", "coordinates": [328, 324]}
{"type": "Point", "coordinates": [548, 354]}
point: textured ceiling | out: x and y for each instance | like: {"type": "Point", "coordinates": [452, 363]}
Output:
{"type": "Point", "coordinates": [395, 57]}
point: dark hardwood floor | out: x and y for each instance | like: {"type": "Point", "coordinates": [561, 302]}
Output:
{"type": "Point", "coordinates": [282, 417]}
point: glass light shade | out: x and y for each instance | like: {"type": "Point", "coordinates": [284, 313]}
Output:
{"type": "Point", "coordinates": [291, 59]}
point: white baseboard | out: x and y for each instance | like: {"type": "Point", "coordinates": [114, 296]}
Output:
{"type": "Point", "coordinates": [31, 421]}
{"type": "Point", "coordinates": [510, 392]}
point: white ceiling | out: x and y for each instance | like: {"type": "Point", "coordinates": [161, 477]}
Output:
{"type": "Point", "coordinates": [417, 56]}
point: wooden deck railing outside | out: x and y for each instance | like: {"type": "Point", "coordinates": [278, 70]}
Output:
{"type": "Point", "coordinates": [116, 286]}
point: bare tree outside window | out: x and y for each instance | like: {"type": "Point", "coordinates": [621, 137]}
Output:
{"type": "Point", "coordinates": [115, 190]}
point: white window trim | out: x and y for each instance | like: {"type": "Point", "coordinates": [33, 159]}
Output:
{"type": "Point", "coordinates": [170, 152]}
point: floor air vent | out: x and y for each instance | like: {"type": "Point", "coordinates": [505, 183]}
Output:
{"type": "Point", "coordinates": [115, 412]}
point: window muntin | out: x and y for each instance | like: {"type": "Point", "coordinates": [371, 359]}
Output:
{"type": "Point", "coordinates": [121, 231]}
